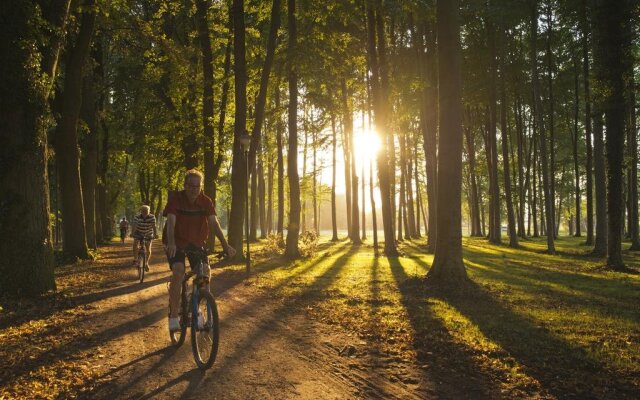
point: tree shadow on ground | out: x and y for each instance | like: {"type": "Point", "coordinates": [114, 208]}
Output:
{"type": "Point", "coordinates": [219, 285]}
{"type": "Point", "coordinates": [313, 291]}
{"type": "Point", "coordinates": [598, 293]}
{"type": "Point", "coordinates": [451, 368]}
{"type": "Point", "coordinates": [563, 369]}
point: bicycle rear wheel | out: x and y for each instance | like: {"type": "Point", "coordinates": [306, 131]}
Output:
{"type": "Point", "coordinates": [141, 267]}
{"type": "Point", "coordinates": [205, 331]}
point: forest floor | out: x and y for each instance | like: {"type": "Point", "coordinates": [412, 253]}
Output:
{"type": "Point", "coordinates": [341, 324]}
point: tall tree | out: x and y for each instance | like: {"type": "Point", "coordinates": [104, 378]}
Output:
{"type": "Point", "coordinates": [448, 267]}
{"type": "Point", "coordinates": [293, 229]}
{"type": "Point", "coordinates": [239, 184]}
{"type": "Point", "coordinates": [612, 33]}
{"type": "Point", "coordinates": [25, 88]}
{"type": "Point", "coordinates": [380, 89]}
{"type": "Point", "coordinates": [542, 139]}
{"type": "Point", "coordinates": [584, 41]}
{"type": "Point", "coordinates": [65, 142]}
{"type": "Point", "coordinates": [202, 9]}
{"type": "Point", "coordinates": [261, 100]}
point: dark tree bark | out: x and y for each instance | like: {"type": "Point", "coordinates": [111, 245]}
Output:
{"type": "Point", "coordinates": [239, 184]}
{"type": "Point", "coordinates": [633, 155]}
{"type": "Point", "coordinates": [600, 248]}
{"type": "Point", "coordinates": [102, 197]}
{"type": "Point", "coordinates": [74, 243]}
{"type": "Point", "coordinates": [280, 163]}
{"type": "Point", "coordinates": [270, 195]}
{"type": "Point", "coordinates": [587, 119]}
{"type": "Point", "coordinates": [334, 222]}
{"type": "Point", "coordinates": [380, 90]}
{"type": "Point", "coordinates": [552, 147]}
{"type": "Point", "coordinates": [448, 267]}
{"type": "Point", "coordinates": [260, 104]}
{"type": "Point", "coordinates": [522, 185]}
{"type": "Point", "coordinates": [538, 110]}
{"type": "Point", "coordinates": [495, 232]}
{"type": "Point", "coordinates": [408, 171]}
{"type": "Point", "coordinates": [202, 8]}
{"type": "Point", "coordinates": [612, 33]}
{"type": "Point", "coordinates": [476, 230]}
{"type": "Point", "coordinates": [261, 199]}
{"type": "Point", "coordinates": [575, 137]}
{"type": "Point", "coordinates": [293, 230]}
{"type": "Point", "coordinates": [89, 161]}
{"type": "Point", "coordinates": [511, 223]}
{"type": "Point", "coordinates": [418, 196]}
{"type": "Point", "coordinates": [23, 133]}
{"type": "Point", "coordinates": [430, 135]}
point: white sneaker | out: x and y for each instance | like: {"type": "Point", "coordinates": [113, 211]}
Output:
{"type": "Point", "coordinates": [174, 324]}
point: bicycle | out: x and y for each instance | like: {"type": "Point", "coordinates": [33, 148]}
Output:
{"type": "Point", "coordinates": [142, 263]}
{"type": "Point", "coordinates": [202, 316]}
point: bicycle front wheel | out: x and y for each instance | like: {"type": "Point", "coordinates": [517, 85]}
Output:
{"type": "Point", "coordinates": [205, 333]}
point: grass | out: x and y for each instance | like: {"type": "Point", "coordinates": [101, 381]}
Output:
{"type": "Point", "coordinates": [533, 325]}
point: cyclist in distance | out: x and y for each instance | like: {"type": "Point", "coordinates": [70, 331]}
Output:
{"type": "Point", "coordinates": [189, 214]}
{"type": "Point", "coordinates": [144, 227]}
{"type": "Point", "coordinates": [124, 226]}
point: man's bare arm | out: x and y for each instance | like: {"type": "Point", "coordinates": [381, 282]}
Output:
{"type": "Point", "coordinates": [171, 229]}
{"type": "Point", "coordinates": [217, 230]}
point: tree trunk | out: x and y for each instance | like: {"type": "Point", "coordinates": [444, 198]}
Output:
{"type": "Point", "coordinates": [66, 142]}
{"type": "Point", "coordinates": [575, 137]}
{"type": "Point", "coordinates": [633, 155]}
{"type": "Point", "coordinates": [409, 189]}
{"type": "Point", "coordinates": [256, 133]}
{"type": "Point", "coordinates": [334, 222]}
{"type": "Point", "coordinates": [546, 184]}
{"type": "Point", "coordinates": [511, 223]}
{"type": "Point", "coordinates": [89, 162]}
{"type": "Point", "coordinates": [280, 162]}
{"type": "Point", "coordinates": [270, 195]}
{"type": "Point", "coordinates": [430, 135]}
{"type": "Point", "coordinates": [23, 133]}
{"type": "Point", "coordinates": [612, 61]}
{"type": "Point", "coordinates": [418, 197]}
{"type": "Point", "coordinates": [239, 183]}
{"type": "Point", "coordinates": [552, 147]}
{"type": "Point", "coordinates": [448, 267]}
{"type": "Point", "coordinates": [202, 8]}
{"type": "Point", "coordinates": [474, 207]}
{"type": "Point", "coordinates": [293, 230]}
{"type": "Point", "coordinates": [380, 90]}
{"type": "Point", "coordinates": [600, 248]}
{"type": "Point", "coordinates": [587, 120]}
{"type": "Point", "coordinates": [495, 230]}
{"type": "Point", "coordinates": [522, 185]}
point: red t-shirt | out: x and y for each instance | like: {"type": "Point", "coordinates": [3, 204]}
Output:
{"type": "Point", "coordinates": [192, 226]}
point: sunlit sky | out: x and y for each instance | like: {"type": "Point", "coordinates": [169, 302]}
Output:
{"type": "Point", "coordinates": [366, 144]}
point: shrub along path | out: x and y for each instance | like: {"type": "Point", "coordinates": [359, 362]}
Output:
{"type": "Point", "coordinates": [341, 324]}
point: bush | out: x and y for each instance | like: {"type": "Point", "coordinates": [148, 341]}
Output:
{"type": "Point", "coordinates": [309, 243]}
{"type": "Point", "coordinates": [273, 244]}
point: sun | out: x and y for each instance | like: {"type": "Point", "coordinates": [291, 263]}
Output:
{"type": "Point", "coordinates": [366, 145]}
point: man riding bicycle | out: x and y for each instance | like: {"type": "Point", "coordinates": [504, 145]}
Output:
{"type": "Point", "coordinates": [189, 215]}
{"type": "Point", "coordinates": [144, 227]}
{"type": "Point", "coordinates": [124, 226]}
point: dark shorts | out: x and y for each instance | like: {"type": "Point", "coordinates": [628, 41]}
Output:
{"type": "Point", "coordinates": [193, 259]}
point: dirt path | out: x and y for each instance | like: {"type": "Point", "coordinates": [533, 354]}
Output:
{"type": "Point", "coordinates": [267, 350]}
